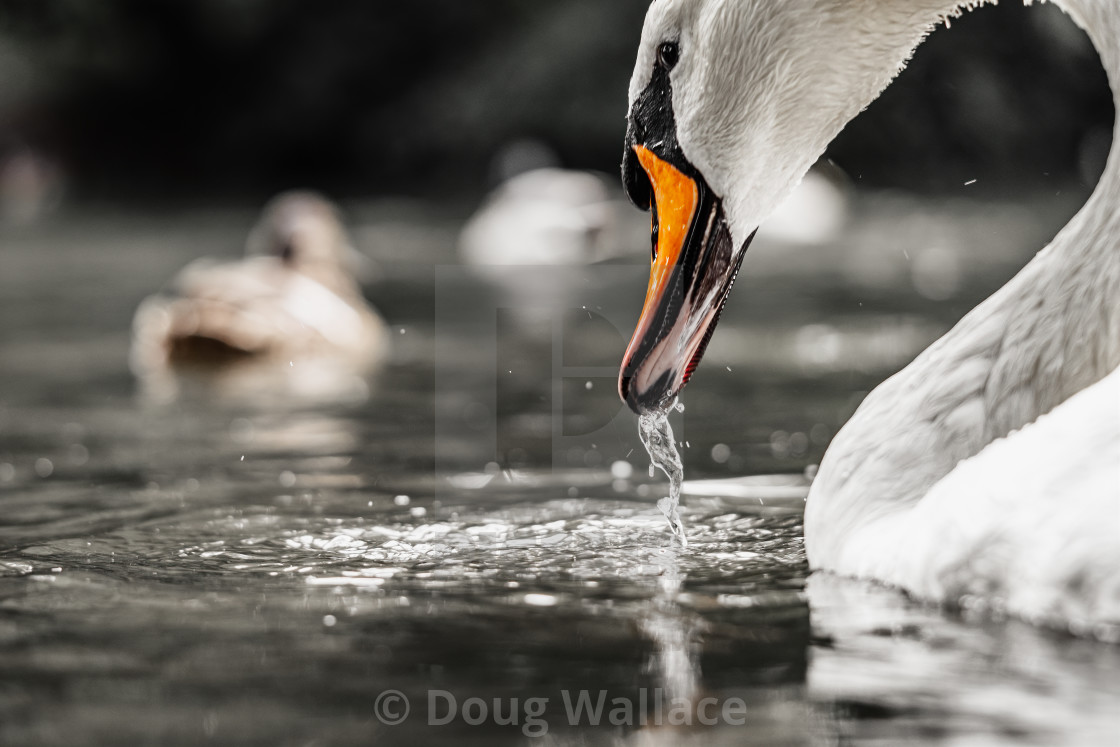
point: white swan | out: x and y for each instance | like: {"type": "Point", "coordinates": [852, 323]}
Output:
{"type": "Point", "coordinates": [987, 469]}
{"type": "Point", "coordinates": [552, 216]}
{"type": "Point", "coordinates": [549, 216]}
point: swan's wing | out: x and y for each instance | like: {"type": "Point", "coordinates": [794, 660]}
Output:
{"type": "Point", "coordinates": [1031, 523]}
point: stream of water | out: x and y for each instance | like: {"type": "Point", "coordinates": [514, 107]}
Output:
{"type": "Point", "coordinates": [657, 436]}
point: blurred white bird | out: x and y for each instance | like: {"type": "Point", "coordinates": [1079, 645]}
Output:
{"type": "Point", "coordinates": [554, 216]}
{"type": "Point", "coordinates": [551, 216]}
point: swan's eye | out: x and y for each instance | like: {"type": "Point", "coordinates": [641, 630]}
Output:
{"type": "Point", "coordinates": [668, 53]}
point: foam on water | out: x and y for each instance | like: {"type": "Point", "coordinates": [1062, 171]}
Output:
{"type": "Point", "coordinates": [657, 436]}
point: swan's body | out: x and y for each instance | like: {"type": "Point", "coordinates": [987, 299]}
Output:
{"type": "Point", "coordinates": [989, 468]}
{"type": "Point", "coordinates": [288, 318]}
{"type": "Point", "coordinates": [1029, 525]}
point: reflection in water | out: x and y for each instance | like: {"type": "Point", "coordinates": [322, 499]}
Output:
{"type": "Point", "coordinates": [673, 632]}
{"type": "Point", "coordinates": [884, 658]}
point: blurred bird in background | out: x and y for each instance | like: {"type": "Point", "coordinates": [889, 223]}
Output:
{"type": "Point", "coordinates": [289, 315]}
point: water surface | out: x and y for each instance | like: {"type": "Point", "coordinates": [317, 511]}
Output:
{"type": "Point", "coordinates": [483, 525]}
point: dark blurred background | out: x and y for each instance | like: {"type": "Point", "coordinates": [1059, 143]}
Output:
{"type": "Point", "coordinates": [208, 100]}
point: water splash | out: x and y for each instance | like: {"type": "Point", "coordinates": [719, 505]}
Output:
{"type": "Point", "coordinates": [657, 436]}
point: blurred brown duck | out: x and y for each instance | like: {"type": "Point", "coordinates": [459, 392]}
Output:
{"type": "Point", "coordinates": [290, 308]}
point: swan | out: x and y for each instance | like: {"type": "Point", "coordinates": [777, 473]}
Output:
{"type": "Point", "coordinates": [549, 216]}
{"type": "Point", "coordinates": [287, 316]}
{"type": "Point", "coordinates": [552, 216]}
{"type": "Point", "coordinates": [986, 472]}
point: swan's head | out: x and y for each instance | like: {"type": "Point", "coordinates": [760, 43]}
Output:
{"type": "Point", "coordinates": [731, 102]}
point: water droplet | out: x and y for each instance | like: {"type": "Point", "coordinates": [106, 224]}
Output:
{"type": "Point", "coordinates": [44, 467]}
{"type": "Point", "coordinates": [589, 385]}
{"type": "Point", "coordinates": [287, 478]}
{"type": "Point", "coordinates": [418, 512]}
{"type": "Point", "coordinates": [621, 470]}
{"type": "Point", "coordinates": [721, 453]}
{"type": "Point", "coordinates": [798, 443]}
{"type": "Point", "coordinates": [329, 620]}
{"type": "Point", "coordinates": [400, 500]}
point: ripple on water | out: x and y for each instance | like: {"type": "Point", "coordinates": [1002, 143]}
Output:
{"type": "Point", "coordinates": [559, 542]}
{"type": "Point", "coordinates": [581, 539]}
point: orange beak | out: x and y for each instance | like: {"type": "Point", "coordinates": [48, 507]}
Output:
{"type": "Point", "coordinates": [693, 267]}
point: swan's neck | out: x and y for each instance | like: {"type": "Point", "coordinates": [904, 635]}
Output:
{"type": "Point", "coordinates": [1082, 264]}
{"type": "Point", "coordinates": [1101, 21]}
{"type": "Point", "coordinates": [1090, 243]}
{"type": "Point", "coordinates": [1052, 331]}
{"type": "Point", "coordinates": [1062, 312]}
